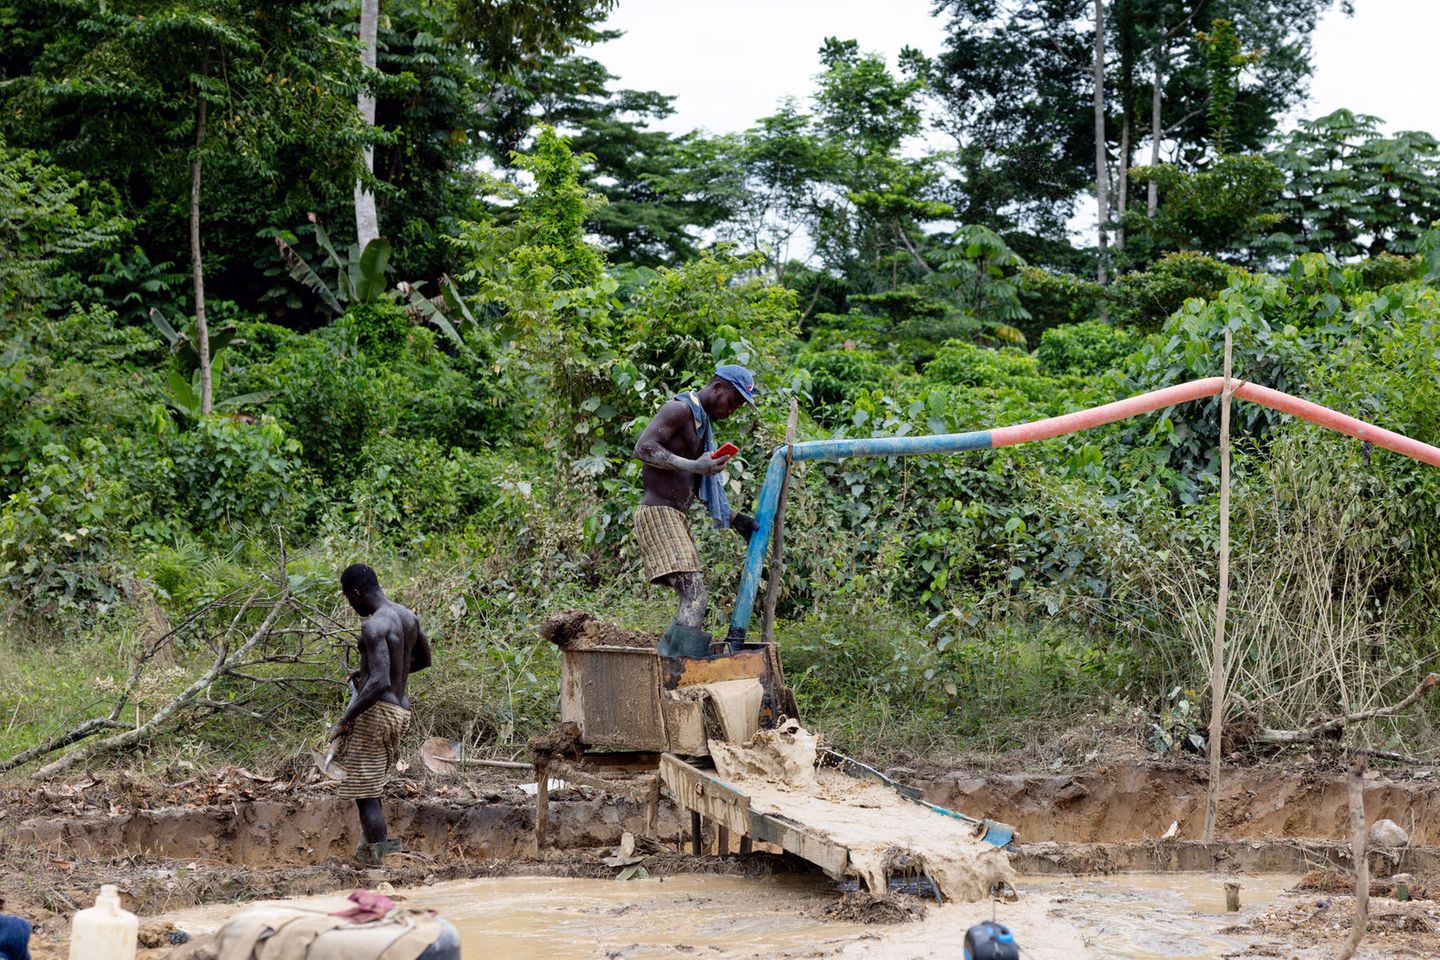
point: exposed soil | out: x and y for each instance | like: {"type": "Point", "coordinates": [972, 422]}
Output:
{"type": "Point", "coordinates": [578, 630]}
{"type": "Point", "coordinates": [236, 836]}
{"type": "Point", "coordinates": [1136, 800]}
{"type": "Point", "coordinates": [1399, 929]}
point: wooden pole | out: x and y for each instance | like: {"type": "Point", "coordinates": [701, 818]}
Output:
{"type": "Point", "coordinates": [1359, 852]}
{"type": "Point", "coordinates": [542, 805]}
{"type": "Point", "coordinates": [1217, 653]}
{"type": "Point", "coordinates": [777, 539]}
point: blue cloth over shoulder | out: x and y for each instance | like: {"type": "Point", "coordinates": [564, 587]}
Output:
{"type": "Point", "coordinates": [710, 490]}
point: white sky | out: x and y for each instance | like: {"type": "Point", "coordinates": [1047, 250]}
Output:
{"type": "Point", "coordinates": [730, 63]}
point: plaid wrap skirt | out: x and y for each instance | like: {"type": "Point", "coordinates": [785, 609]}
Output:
{"type": "Point", "coordinates": [370, 751]}
{"type": "Point", "coordinates": [666, 546]}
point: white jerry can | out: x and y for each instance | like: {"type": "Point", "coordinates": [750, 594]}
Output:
{"type": "Point", "coordinates": [104, 931]}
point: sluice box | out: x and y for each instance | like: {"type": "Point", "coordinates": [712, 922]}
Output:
{"type": "Point", "coordinates": [631, 698]}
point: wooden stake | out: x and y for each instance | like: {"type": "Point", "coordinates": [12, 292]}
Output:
{"type": "Point", "coordinates": [542, 805]}
{"type": "Point", "coordinates": [1217, 653]}
{"type": "Point", "coordinates": [722, 841]}
{"type": "Point", "coordinates": [696, 843]}
{"type": "Point", "coordinates": [777, 537]}
{"type": "Point", "coordinates": [1360, 853]}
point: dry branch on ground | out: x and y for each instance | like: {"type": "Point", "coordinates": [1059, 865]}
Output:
{"type": "Point", "coordinates": [252, 671]}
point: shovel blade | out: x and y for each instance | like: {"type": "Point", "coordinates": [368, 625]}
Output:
{"type": "Point", "coordinates": [441, 756]}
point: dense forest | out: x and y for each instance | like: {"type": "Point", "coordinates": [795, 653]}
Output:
{"type": "Point", "coordinates": [402, 282]}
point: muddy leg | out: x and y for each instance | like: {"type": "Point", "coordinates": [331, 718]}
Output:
{"type": "Point", "coordinates": [372, 820]}
{"type": "Point", "coordinates": [695, 838]}
{"type": "Point", "coordinates": [693, 599]}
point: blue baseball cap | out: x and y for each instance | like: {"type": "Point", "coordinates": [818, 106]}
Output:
{"type": "Point", "coordinates": [740, 378]}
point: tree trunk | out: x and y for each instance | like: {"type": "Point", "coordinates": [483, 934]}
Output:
{"type": "Point", "coordinates": [1157, 132]}
{"type": "Point", "coordinates": [367, 222]}
{"type": "Point", "coordinates": [197, 270]}
{"type": "Point", "coordinates": [1101, 176]}
{"type": "Point", "coordinates": [1122, 197]}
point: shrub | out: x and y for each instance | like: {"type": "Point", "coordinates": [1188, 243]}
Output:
{"type": "Point", "coordinates": [380, 327]}
{"type": "Point", "coordinates": [416, 487]}
{"type": "Point", "coordinates": [1054, 298]}
{"type": "Point", "coordinates": [229, 472]}
{"type": "Point", "coordinates": [1084, 349]}
{"type": "Point", "coordinates": [839, 376]}
{"type": "Point", "coordinates": [332, 401]}
{"type": "Point", "coordinates": [1387, 269]}
{"type": "Point", "coordinates": [55, 531]}
{"type": "Point", "coordinates": [1144, 299]}
{"type": "Point", "coordinates": [965, 364]}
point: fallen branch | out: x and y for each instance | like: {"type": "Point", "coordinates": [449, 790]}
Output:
{"type": "Point", "coordinates": [89, 728]}
{"type": "Point", "coordinates": [223, 660]}
{"type": "Point", "coordinates": [1268, 735]}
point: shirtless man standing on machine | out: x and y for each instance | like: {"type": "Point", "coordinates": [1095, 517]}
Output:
{"type": "Point", "coordinates": [682, 461]}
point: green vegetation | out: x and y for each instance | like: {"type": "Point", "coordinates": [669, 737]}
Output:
{"type": "Point", "coordinates": [456, 402]}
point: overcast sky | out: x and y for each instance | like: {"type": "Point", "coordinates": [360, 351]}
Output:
{"type": "Point", "coordinates": [729, 63]}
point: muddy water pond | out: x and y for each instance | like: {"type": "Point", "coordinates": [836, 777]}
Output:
{"type": "Point", "coordinates": [1135, 916]}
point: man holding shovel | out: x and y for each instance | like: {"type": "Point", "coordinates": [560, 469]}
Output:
{"type": "Point", "coordinates": [392, 646]}
{"type": "Point", "coordinates": [682, 461]}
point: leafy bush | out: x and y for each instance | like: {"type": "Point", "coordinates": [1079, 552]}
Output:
{"type": "Point", "coordinates": [227, 472]}
{"type": "Point", "coordinates": [416, 488]}
{"type": "Point", "coordinates": [331, 400]}
{"type": "Point", "coordinates": [965, 364]}
{"type": "Point", "coordinates": [1144, 298]}
{"type": "Point", "coordinates": [1084, 349]}
{"type": "Point", "coordinates": [1053, 299]}
{"type": "Point", "coordinates": [839, 376]}
{"type": "Point", "coordinates": [1377, 273]}
{"type": "Point", "coordinates": [56, 531]}
{"type": "Point", "coordinates": [381, 327]}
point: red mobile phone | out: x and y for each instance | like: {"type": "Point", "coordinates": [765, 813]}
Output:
{"type": "Point", "coordinates": [728, 449]}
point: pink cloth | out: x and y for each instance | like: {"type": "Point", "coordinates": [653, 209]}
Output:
{"type": "Point", "coordinates": [369, 906]}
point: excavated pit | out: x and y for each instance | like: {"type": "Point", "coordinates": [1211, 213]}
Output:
{"type": "Point", "coordinates": [1137, 801]}
{"type": "Point", "coordinates": [1100, 821]}
{"type": "Point", "coordinates": [238, 837]}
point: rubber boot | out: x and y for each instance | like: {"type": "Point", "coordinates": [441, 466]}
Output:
{"type": "Point", "coordinates": [678, 641]}
{"type": "Point", "coordinates": [374, 854]}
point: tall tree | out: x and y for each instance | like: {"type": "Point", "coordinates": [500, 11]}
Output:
{"type": "Point", "coordinates": [1102, 174]}
{"type": "Point", "coordinates": [367, 222]}
{"type": "Point", "coordinates": [1351, 190]}
{"type": "Point", "coordinates": [1016, 90]}
{"type": "Point", "coordinates": [168, 100]}
{"type": "Point", "coordinates": [655, 205]}
{"type": "Point", "coordinates": [503, 38]}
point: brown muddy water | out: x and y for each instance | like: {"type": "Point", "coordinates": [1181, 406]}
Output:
{"type": "Point", "coordinates": [1134, 916]}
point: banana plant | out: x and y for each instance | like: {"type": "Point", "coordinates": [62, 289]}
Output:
{"type": "Point", "coordinates": [360, 278]}
{"type": "Point", "coordinates": [183, 380]}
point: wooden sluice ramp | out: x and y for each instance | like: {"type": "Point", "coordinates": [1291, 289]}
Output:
{"type": "Point", "coordinates": [701, 791]}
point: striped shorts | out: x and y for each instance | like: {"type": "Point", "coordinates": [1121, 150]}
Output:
{"type": "Point", "coordinates": [666, 546]}
{"type": "Point", "coordinates": [370, 751]}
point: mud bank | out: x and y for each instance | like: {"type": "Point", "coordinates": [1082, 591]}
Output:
{"type": "Point", "coordinates": [1134, 801]}
{"type": "Point", "coordinates": [276, 833]}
